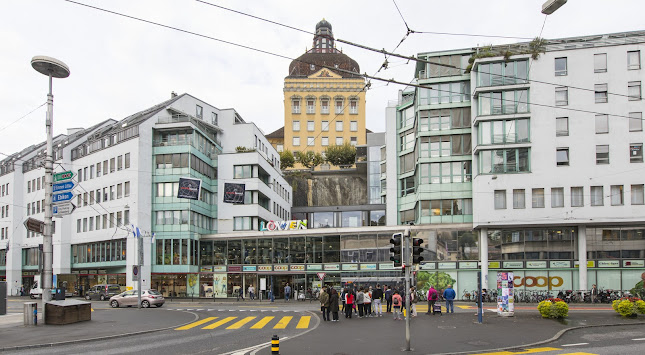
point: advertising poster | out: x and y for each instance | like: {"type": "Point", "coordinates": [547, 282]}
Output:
{"type": "Point", "coordinates": [234, 193]}
{"type": "Point", "coordinates": [219, 285]}
{"type": "Point", "coordinates": [505, 294]}
{"type": "Point", "coordinates": [189, 188]}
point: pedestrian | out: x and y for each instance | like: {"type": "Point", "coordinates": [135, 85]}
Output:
{"type": "Point", "coordinates": [360, 300]}
{"type": "Point", "coordinates": [240, 293]}
{"type": "Point", "coordinates": [22, 290]}
{"type": "Point", "coordinates": [388, 299]}
{"type": "Point", "coordinates": [333, 305]}
{"type": "Point", "coordinates": [287, 292]}
{"type": "Point", "coordinates": [396, 302]}
{"type": "Point", "coordinates": [349, 301]}
{"type": "Point", "coordinates": [377, 298]}
{"type": "Point", "coordinates": [433, 295]}
{"type": "Point", "coordinates": [367, 303]}
{"type": "Point", "coordinates": [342, 298]}
{"type": "Point", "coordinates": [324, 304]}
{"type": "Point", "coordinates": [449, 295]}
{"type": "Point", "coordinates": [413, 302]}
{"type": "Point", "coordinates": [251, 292]}
{"type": "Point", "coordinates": [594, 293]}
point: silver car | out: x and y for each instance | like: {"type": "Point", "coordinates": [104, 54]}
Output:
{"type": "Point", "coordinates": [130, 298]}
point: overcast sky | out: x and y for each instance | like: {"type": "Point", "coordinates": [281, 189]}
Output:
{"type": "Point", "coordinates": [120, 66]}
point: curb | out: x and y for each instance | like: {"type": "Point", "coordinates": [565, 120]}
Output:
{"type": "Point", "coordinates": [557, 336]}
{"type": "Point", "coordinates": [87, 340]}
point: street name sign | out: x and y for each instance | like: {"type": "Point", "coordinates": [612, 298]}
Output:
{"type": "Point", "coordinates": [62, 197]}
{"type": "Point", "coordinates": [65, 175]}
{"type": "Point", "coordinates": [63, 209]}
{"type": "Point", "coordinates": [63, 186]}
{"type": "Point", "coordinates": [34, 225]}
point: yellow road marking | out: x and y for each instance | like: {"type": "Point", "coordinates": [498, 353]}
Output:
{"type": "Point", "coordinates": [199, 322]}
{"type": "Point", "coordinates": [256, 307]}
{"type": "Point", "coordinates": [262, 323]}
{"type": "Point", "coordinates": [578, 354]}
{"type": "Point", "coordinates": [283, 322]}
{"type": "Point", "coordinates": [304, 322]}
{"type": "Point", "coordinates": [218, 323]}
{"type": "Point", "coordinates": [527, 351]}
{"type": "Point", "coordinates": [240, 323]}
{"type": "Point", "coordinates": [467, 307]}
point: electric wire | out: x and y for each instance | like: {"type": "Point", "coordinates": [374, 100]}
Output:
{"type": "Point", "coordinates": [30, 112]}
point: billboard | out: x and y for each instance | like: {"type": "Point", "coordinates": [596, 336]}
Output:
{"type": "Point", "coordinates": [234, 193]}
{"type": "Point", "coordinates": [189, 188]}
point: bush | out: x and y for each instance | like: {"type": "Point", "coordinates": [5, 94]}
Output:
{"type": "Point", "coordinates": [629, 306]}
{"type": "Point", "coordinates": [286, 159]}
{"type": "Point", "coordinates": [626, 308]}
{"type": "Point", "coordinates": [309, 159]}
{"type": "Point", "coordinates": [341, 155]}
{"type": "Point", "coordinates": [614, 305]}
{"type": "Point", "coordinates": [640, 306]}
{"type": "Point", "coordinates": [553, 308]}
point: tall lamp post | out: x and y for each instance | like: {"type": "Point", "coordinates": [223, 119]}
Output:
{"type": "Point", "coordinates": [53, 68]}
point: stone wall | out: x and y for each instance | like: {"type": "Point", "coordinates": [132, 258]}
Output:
{"type": "Point", "coordinates": [327, 188]}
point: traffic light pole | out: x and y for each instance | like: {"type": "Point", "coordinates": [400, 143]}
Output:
{"type": "Point", "coordinates": [407, 264]}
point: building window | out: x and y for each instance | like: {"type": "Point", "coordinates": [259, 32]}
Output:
{"type": "Point", "coordinates": [353, 126]}
{"type": "Point", "coordinates": [538, 198]}
{"type": "Point", "coordinates": [561, 96]}
{"type": "Point", "coordinates": [636, 153]}
{"type": "Point", "coordinates": [339, 126]}
{"type": "Point", "coordinates": [311, 141]}
{"type": "Point", "coordinates": [296, 126]}
{"type": "Point", "coordinates": [324, 106]}
{"type": "Point", "coordinates": [577, 196]}
{"type": "Point", "coordinates": [600, 63]}
{"type": "Point", "coordinates": [503, 102]}
{"type": "Point", "coordinates": [353, 141]}
{"type": "Point", "coordinates": [310, 126]}
{"type": "Point", "coordinates": [339, 140]}
{"type": "Point", "coordinates": [635, 121]}
{"type": "Point", "coordinates": [500, 199]}
{"type": "Point", "coordinates": [295, 106]}
{"type": "Point", "coordinates": [296, 141]}
{"type": "Point", "coordinates": [562, 156]}
{"type": "Point", "coordinates": [633, 60]}
{"type": "Point", "coordinates": [242, 223]}
{"type": "Point", "coordinates": [214, 118]}
{"type": "Point", "coordinates": [519, 197]}
{"type": "Point", "coordinates": [596, 196]}
{"type": "Point", "coordinates": [325, 126]}
{"type": "Point", "coordinates": [353, 107]}
{"type": "Point", "coordinates": [562, 126]}
{"type": "Point", "coordinates": [280, 148]}
{"type": "Point", "coordinates": [600, 91]}
{"type": "Point", "coordinates": [119, 162]}
{"type": "Point", "coordinates": [617, 196]}
{"type": "Point", "coordinates": [602, 124]}
{"type": "Point", "coordinates": [112, 168]}
{"type": "Point", "coordinates": [126, 192]}
{"type": "Point", "coordinates": [324, 141]}
{"type": "Point", "coordinates": [638, 197]}
{"type": "Point", "coordinates": [634, 90]}
{"type": "Point", "coordinates": [311, 106]}
{"type": "Point", "coordinates": [340, 103]}
{"type": "Point", "coordinates": [557, 197]}
{"type": "Point", "coordinates": [127, 160]}
{"type": "Point", "coordinates": [561, 66]}
{"type": "Point", "coordinates": [243, 171]}
{"type": "Point", "coordinates": [602, 154]}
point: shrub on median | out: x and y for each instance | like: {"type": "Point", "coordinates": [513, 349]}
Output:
{"type": "Point", "coordinates": [629, 306]}
{"type": "Point", "coordinates": [553, 308]}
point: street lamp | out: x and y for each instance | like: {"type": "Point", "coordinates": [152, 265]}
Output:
{"type": "Point", "coordinates": [550, 6]}
{"type": "Point", "coordinates": [53, 68]}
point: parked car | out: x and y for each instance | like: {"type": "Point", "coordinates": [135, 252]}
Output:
{"type": "Point", "coordinates": [130, 298]}
{"type": "Point", "coordinates": [102, 292]}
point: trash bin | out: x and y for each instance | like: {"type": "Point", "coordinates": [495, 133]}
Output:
{"type": "Point", "coordinates": [30, 313]}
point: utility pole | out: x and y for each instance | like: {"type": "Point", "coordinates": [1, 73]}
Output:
{"type": "Point", "coordinates": [140, 249]}
{"type": "Point", "coordinates": [407, 264]}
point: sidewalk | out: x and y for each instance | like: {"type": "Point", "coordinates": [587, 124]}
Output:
{"type": "Point", "coordinates": [447, 334]}
{"type": "Point", "coordinates": [105, 323]}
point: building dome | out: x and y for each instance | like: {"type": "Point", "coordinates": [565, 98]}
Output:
{"type": "Point", "coordinates": [323, 23]}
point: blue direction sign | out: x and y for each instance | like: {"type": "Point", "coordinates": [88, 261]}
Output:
{"type": "Point", "coordinates": [64, 186]}
{"type": "Point", "coordinates": [62, 197]}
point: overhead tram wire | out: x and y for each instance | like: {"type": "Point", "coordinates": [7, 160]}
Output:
{"type": "Point", "coordinates": [328, 67]}
{"type": "Point", "coordinates": [30, 112]}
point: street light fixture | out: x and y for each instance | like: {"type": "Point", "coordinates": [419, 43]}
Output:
{"type": "Point", "coordinates": [53, 68]}
{"type": "Point", "coordinates": [550, 6]}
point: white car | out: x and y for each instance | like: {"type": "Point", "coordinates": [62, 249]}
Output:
{"type": "Point", "coordinates": [130, 298]}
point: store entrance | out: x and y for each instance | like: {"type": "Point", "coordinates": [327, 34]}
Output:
{"type": "Point", "coordinates": [279, 282]}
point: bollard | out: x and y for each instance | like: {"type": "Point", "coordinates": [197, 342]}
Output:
{"type": "Point", "coordinates": [275, 345]}
{"type": "Point", "coordinates": [36, 316]}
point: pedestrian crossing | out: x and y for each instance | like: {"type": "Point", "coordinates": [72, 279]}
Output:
{"type": "Point", "coordinates": [255, 322]}
{"type": "Point", "coordinates": [233, 310]}
{"type": "Point", "coordinates": [535, 351]}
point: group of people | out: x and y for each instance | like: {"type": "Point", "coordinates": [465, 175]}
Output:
{"type": "Point", "coordinates": [366, 302]}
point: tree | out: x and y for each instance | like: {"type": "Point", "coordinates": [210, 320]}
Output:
{"type": "Point", "coordinates": [309, 159]}
{"type": "Point", "coordinates": [339, 155]}
{"type": "Point", "coordinates": [286, 159]}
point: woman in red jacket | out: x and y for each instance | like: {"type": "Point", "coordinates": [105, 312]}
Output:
{"type": "Point", "coordinates": [349, 301]}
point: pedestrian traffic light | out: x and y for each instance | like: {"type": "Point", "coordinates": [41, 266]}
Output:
{"type": "Point", "coordinates": [416, 250]}
{"type": "Point", "coordinates": [396, 249]}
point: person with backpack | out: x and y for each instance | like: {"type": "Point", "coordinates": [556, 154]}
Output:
{"type": "Point", "coordinates": [377, 298]}
{"type": "Point", "coordinates": [433, 296]}
{"type": "Point", "coordinates": [333, 305]}
{"type": "Point", "coordinates": [349, 303]}
{"type": "Point", "coordinates": [449, 295]}
{"type": "Point", "coordinates": [396, 302]}
{"type": "Point", "coordinates": [324, 304]}
{"type": "Point", "coordinates": [388, 300]}
{"type": "Point", "coordinates": [413, 302]}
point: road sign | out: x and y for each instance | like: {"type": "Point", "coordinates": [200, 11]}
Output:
{"type": "Point", "coordinates": [34, 225]}
{"type": "Point", "coordinates": [321, 275]}
{"type": "Point", "coordinates": [63, 209]}
{"type": "Point", "coordinates": [63, 186]}
{"type": "Point", "coordinates": [62, 197]}
{"type": "Point", "coordinates": [65, 175]}
{"type": "Point", "coordinates": [135, 272]}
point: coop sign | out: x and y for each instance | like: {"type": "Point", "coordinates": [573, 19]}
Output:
{"type": "Point", "coordinates": [283, 225]}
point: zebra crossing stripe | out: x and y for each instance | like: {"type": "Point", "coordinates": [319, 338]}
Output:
{"type": "Point", "coordinates": [304, 322]}
{"type": "Point", "coordinates": [194, 324]}
{"type": "Point", "coordinates": [282, 324]}
{"type": "Point", "coordinates": [218, 323]}
{"type": "Point", "coordinates": [241, 323]}
{"type": "Point", "coordinates": [262, 323]}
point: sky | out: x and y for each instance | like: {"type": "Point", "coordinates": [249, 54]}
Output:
{"type": "Point", "coordinates": [120, 66]}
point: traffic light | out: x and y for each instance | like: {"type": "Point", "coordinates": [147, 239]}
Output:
{"type": "Point", "coordinates": [416, 250]}
{"type": "Point", "coordinates": [397, 246]}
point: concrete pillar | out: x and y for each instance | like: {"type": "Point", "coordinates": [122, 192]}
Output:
{"type": "Point", "coordinates": [483, 255]}
{"type": "Point", "coordinates": [582, 257]}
